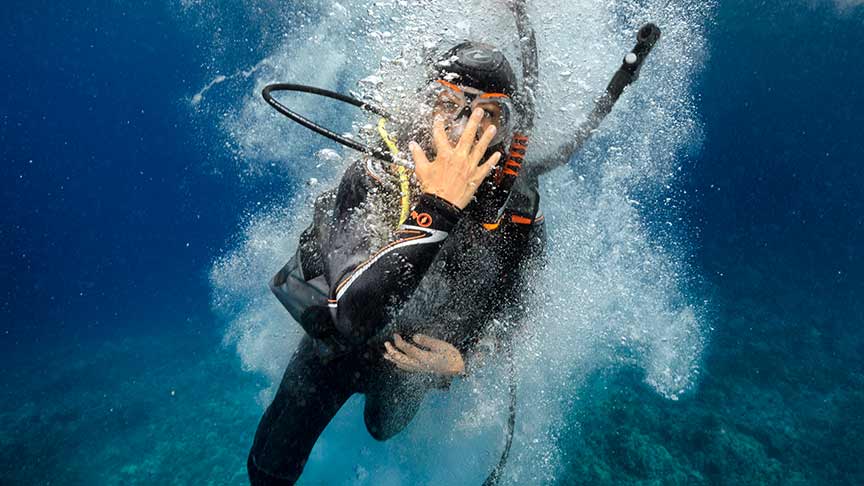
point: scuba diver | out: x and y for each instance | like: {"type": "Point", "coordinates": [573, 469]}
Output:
{"type": "Point", "coordinates": [344, 289]}
{"type": "Point", "coordinates": [403, 282]}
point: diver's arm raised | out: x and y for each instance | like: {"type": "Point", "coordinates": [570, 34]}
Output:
{"type": "Point", "coordinates": [361, 291]}
{"type": "Point", "coordinates": [648, 35]}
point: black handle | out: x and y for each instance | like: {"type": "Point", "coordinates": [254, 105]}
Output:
{"type": "Point", "coordinates": [628, 73]}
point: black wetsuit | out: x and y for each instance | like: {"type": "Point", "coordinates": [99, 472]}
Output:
{"type": "Point", "coordinates": [442, 273]}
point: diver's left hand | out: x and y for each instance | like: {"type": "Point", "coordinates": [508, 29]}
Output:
{"type": "Point", "coordinates": [439, 357]}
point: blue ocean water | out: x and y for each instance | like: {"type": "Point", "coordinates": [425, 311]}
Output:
{"type": "Point", "coordinates": [123, 198]}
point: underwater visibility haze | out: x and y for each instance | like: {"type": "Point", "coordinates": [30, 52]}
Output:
{"type": "Point", "coordinates": [698, 319]}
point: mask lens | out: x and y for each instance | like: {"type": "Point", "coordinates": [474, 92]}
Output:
{"type": "Point", "coordinates": [457, 103]}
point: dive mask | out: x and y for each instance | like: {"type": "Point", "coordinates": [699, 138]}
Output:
{"type": "Point", "coordinates": [458, 102]}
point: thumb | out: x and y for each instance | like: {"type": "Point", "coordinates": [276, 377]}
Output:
{"type": "Point", "coordinates": [423, 169]}
{"type": "Point", "coordinates": [421, 162]}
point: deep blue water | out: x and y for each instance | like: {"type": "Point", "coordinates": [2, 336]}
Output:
{"type": "Point", "coordinates": [116, 200]}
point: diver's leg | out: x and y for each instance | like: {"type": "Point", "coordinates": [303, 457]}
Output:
{"type": "Point", "coordinates": [390, 406]}
{"type": "Point", "coordinates": [309, 396]}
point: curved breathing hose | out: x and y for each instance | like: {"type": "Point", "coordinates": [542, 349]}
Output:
{"type": "Point", "coordinates": [268, 91]}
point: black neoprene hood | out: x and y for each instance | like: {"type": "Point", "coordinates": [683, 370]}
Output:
{"type": "Point", "coordinates": [479, 66]}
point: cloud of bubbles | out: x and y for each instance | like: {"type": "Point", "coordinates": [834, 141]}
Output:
{"type": "Point", "coordinates": [611, 294]}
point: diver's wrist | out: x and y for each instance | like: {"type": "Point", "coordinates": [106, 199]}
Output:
{"type": "Point", "coordinates": [435, 213]}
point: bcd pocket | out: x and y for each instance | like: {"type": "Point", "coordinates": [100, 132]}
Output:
{"type": "Point", "coordinates": [306, 301]}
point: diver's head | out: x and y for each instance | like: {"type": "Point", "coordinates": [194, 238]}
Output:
{"type": "Point", "coordinates": [468, 76]}
{"type": "Point", "coordinates": [479, 66]}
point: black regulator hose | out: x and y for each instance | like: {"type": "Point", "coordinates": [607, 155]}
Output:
{"type": "Point", "coordinates": [626, 75]}
{"type": "Point", "coordinates": [268, 91]}
{"type": "Point", "coordinates": [494, 477]}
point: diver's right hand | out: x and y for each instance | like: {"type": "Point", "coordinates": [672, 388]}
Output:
{"type": "Point", "coordinates": [456, 172]}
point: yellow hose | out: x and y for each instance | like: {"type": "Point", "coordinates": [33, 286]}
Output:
{"type": "Point", "coordinates": [404, 185]}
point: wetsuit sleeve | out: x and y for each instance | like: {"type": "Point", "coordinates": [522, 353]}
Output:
{"type": "Point", "coordinates": [559, 158]}
{"type": "Point", "coordinates": [364, 284]}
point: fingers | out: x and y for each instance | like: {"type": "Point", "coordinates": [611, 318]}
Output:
{"type": "Point", "coordinates": [443, 359]}
{"type": "Point", "coordinates": [431, 343]}
{"type": "Point", "coordinates": [479, 150]}
{"type": "Point", "coordinates": [401, 366]}
{"type": "Point", "coordinates": [421, 162]}
{"type": "Point", "coordinates": [413, 351]}
{"type": "Point", "coordinates": [486, 168]}
{"type": "Point", "coordinates": [418, 155]}
{"type": "Point", "coordinates": [470, 133]}
{"type": "Point", "coordinates": [400, 360]}
{"type": "Point", "coordinates": [439, 135]}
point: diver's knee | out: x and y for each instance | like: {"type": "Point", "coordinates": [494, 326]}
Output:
{"type": "Point", "coordinates": [383, 427]}
{"type": "Point", "coordinates": [376, 426]}
{"type": "Point", "coordinates": [260, 477]}
{"type": "Point", "coordinates": [379, 433]}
